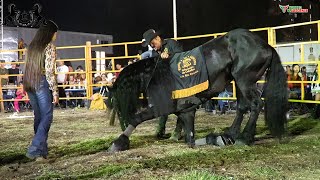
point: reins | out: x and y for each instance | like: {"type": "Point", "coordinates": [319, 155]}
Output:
{"type": "Point", "coordinates": [158, 58]}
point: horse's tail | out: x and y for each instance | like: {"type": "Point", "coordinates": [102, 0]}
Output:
{"type": "Point", "coordinates": [276, 96]}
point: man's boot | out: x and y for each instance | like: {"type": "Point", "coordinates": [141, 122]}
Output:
{"type": "Point", "coordinates": [161, 129]}
{"type": "Point", "coordinates": [176, 134]}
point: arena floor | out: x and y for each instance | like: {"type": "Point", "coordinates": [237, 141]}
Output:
{"type": "Point", "coordinates": [79, 139]}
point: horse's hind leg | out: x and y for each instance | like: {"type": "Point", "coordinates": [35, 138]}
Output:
{"type": "Point", "coordinates": [242, 108]}
{"type": "Point", "coordinates": [252, 95]}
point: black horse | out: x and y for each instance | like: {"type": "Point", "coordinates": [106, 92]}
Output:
{"type": "Point", "coordinates": [240, 55]}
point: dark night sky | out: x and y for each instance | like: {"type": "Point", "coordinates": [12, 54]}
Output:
{"type": "Point", "coordinates": [126, 20]}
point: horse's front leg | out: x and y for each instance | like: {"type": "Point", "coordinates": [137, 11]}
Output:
{"type": "Point", "coordinates": [248, 133]}
{"type": "Point", "coordinates": [242, 107]}
{"type": "Point", "coordinates": [122, 143]}
{"type": "Point", "coordinates": [188, 122]}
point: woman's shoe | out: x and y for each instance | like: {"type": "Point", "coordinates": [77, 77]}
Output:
{"type": "Point", "coordinates": [36, 157]}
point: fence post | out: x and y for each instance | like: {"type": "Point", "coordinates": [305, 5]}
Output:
{"type": "Point", "coordinates": [88, 65]}
{"type": "Point", "coordinates": [113, 65]}
{"type": "Point", "coordinates": [1, 96]}
{"type": "Point", "coordinates": [271, 37]}
{"type": "Point", "coordinates": [318, 31]}
{"type": "Point", "coordinates": [126, 50]}
{"type": "Point", "coordinates": [234, 92]}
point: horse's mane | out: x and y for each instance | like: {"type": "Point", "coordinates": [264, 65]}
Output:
{"type": "Point", "coordinates": [150, 76]}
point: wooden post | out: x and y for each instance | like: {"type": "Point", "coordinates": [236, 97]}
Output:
{"type": "Point", "coordinates": [271, 37]}
{"type": "Point", "coordinates": [126, 50]}
{"type": "Point", "coordinates": [113, 65]}
{"type": "Point", "coordinates": [319, 32]}
{"type": "Point", "coordinates": [1, 96]}
{"type": "Point", "coordinates": [88, 69]}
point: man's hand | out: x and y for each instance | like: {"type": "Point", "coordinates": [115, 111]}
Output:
{"type": "Point", "coordinates": [164, 55]}
{"type": "Point", "coordinates": [55, 99]}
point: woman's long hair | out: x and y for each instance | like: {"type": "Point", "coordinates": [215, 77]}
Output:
{"type": "Point", "coordinates": [36, 56]}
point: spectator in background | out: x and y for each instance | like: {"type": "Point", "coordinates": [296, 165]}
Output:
{"type": "Point", "coordinates": [307, 87]}
{"type": "Point", "coordinates": [288, 71]}
{"type": "Point", "coordinates": [14, 70]}
{"type": "Point", "coordinates": [98, 80]}
{"type": "Point", "coordinates": [71, 81]}
{"type": "Point", "coordinates": [295, 88]}
{"type": "Point", "coordinates": [103, 77]}
{"type": "Point", "coordinates": [4, 81]}
{"type": "Point", "coordinates": [80, 82]}
{"type": "Point", "coordinates": [68, 64]}
{"type": "Point", "coordinates": [21, 45]}
{"type": "Point", "coordinates": [304, 73]}
{"type": "Point", "coordinates": [20, 94]}
{"type": "Point", "coordinates": [83, 80]}
{"type": "Point", "coordinates": [3, 71]}
{"type": "Point", "coordinates": [223, 103]}
{"type": "Point", "coordinates": [118, 67]}
{"type": "Point", "coordinates": [111, 78]}
{"type": "Point", "coordinates": [79, 68]}
{"type": "Point", "coordinates": [315, 87]}
{"type": "Point", "coordinates": [62, 69]}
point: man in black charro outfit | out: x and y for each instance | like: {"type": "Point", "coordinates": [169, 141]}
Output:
{"type": "Point", "coordinates": [165, 48]}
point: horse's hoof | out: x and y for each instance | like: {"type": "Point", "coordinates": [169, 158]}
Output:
{"type": "Point", "coordinates": [190, 142]}
{"type": "Point", "coordinates": [220, 142]}
{"type": "Point", "coordinates": [120, 144]}
{"type": "Point", "coordinates": [224, 140]}
{"type": "Point", "coordinates": [231, 133]}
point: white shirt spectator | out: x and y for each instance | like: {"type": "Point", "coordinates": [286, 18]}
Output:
{"type": "Point", "coordinates": [61, 78]}
{"type": "Point", "coordinates": [110, 78]}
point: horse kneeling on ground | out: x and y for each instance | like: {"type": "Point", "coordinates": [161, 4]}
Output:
{"type": "Point", "coordinates": [240, 55]}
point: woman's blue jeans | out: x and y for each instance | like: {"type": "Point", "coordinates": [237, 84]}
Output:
{"type": "Point", "coordinates": [41, 102]}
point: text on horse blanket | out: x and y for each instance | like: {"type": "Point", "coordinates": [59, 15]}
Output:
{"type": "Point", "coordinates": [190, 73]}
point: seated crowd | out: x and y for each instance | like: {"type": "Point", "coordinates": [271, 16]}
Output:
{"type": "Point", "coordinates": [297, 73]}
{"type": "Point", "coordinates": [76, 85]}
{"type": "Point", "coordinates": [14, 95]}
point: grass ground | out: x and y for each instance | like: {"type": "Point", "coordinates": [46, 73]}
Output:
{"type": "Point", "coordinates": [79, 138]}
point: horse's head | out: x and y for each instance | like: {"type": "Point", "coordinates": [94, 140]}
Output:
{"type": "Point", "coordinates": [125, 92]}
{"type": "Point", "coordinates": [142, 76]}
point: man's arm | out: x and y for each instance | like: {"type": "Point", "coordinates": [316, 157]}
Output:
{"type": "Point", "coordinates": [172, 47]}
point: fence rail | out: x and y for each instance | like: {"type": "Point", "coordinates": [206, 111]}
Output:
{"type": "Point", "coordinates": [88, 47]}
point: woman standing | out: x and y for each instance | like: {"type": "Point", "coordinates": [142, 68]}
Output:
{"type": "Point", "coordinates": [40, 83]}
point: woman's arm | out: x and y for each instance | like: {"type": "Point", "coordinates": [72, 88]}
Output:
{"type": "Point", "coordinates": [50, 68]}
